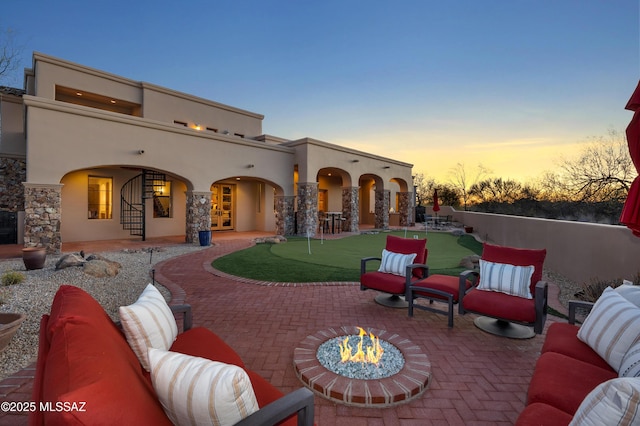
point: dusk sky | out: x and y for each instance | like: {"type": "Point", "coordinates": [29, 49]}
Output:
{"type": "Point", "coordinates": [513, 85]}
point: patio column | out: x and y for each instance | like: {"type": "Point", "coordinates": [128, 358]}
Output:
{"type": "Point", "coordinates": [382, 208]}
{"type": "Point", "coordinates": [350, 209]}
{"type": "Point", "coordinates": [285, 215]}
{"type": "Point", "coordinates": [198, 215]}
{"type": "Point", "coordinates": [307, 208]}
{"type": "Point", "coordinates": [405, 208]}
{"type": "Point", "coordinates": [42, 214]}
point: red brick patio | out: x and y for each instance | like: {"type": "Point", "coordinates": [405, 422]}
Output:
{"type": "Point", "coordinates": [477, 378]}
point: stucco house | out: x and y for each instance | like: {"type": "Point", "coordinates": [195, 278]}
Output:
{"type": "Point", "coordinates": [89, 155]}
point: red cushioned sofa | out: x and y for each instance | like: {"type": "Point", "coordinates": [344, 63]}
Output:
{"type": "Point", "coordinates": [566, 372]}
{"type": "Point", "coordinates": [84, 359]}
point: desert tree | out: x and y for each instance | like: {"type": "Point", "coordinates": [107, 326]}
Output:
{"type": "Point", "coordinates": [602, 171]}
{"type": "Point", "coordinates": [462, 179]}
{"type": "Point", "coordinates": [10, 53]}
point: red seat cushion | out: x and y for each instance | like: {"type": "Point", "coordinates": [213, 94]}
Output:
{"type": "Point", "coordinates": [517, 257]}
{"type": "Point", "coordinates": [562, 338]}
{"type": "Point", "coordinates": [389, 283]}
{"type": "Point", "coordinates": [445, 283]}
{"type": "Point", "coordinates": [203, 343]}
{"type": "Point", "coordinates": [266, 393]}
{"type": "Point", "coordinates": [500, 305]}
{"type": "Point", "coordinates": [564, 382]}
{"type": "Point", "coordinates": [537, 413]}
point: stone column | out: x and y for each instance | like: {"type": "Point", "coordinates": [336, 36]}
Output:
{"type": "Point", "coordinates": [198, 215]}
{"type": "Point", "coordinates": [307, 208]}
{"type": "Point", "coordinates": [285, 215]}
{"type": "Point", "coordinates": [350, 209]}
{"type": "Point", "coordinates": [42, 215]}
{"type": "Point", "coordinates": [382, 209]}
{"type": "Point", "coordinates": [405, 208]}
{"type": "Point", "coordinates": [12, 173]}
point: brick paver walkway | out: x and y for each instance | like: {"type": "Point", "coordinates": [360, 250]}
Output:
{"type": "Point", "coordinates": [478, 379]}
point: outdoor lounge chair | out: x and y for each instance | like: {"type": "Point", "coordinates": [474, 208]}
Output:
{"type": "Point", "coordinates": [508, 292]}
{"type": "Point", "coordinates": [403, 262]}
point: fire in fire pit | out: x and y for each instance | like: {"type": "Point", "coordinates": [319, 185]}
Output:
{"type": "Point", "coordinates": [374, 351]}
{"type": "Point", "coordinates": [372, 359]}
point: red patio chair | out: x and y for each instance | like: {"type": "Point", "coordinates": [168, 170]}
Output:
{"type": "Point", "coordinates": [396, 273]}
{"type": "Point", "coordinates": [498, 293]}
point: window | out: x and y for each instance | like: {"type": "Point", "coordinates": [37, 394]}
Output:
{"type": "Point", "coordinates": [161, 199]}
{"type": "Point", "coordinates": [100, 197]}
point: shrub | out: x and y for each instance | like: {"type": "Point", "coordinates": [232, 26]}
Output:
{"type": "Point", "coordinates": [12, 277]}
{"type": "Point", "coordinates": [593, 290]}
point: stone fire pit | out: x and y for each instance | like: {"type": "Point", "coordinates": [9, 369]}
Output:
{"type": "Point", "coordinates": [399, 378]}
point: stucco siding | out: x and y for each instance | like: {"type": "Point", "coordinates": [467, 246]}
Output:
{"type": "Point", "coordinates": [91, 139]}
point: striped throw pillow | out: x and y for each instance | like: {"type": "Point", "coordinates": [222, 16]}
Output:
{"type": "Point", "coordinates": [505, 278]}
{"type": "Point", "coordinates": [199, 391]}
{"type": "Point", "coordinates": [614, 402]}
{"type": "Point", "coordinates": [395, 263]}
{"type": "Point", "coordinates": [630, 292]}
{"type": "Point", "coordinates": [630, 366]}
{"type": "Point", "coordinates": [148, 323]}
{"type": "Point", "coordinates": [612, 327]}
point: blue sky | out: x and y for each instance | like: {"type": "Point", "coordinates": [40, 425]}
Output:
{"type": "Point", "coordinates": [513, 85]}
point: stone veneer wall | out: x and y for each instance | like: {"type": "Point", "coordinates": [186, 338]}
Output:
{"type": "Point", "coordinates": [405, 207]}
{"type": "Point", "coordinates": [42, 208]}
{"type": "Point", "coordinates": [382, 209]}
{"type": "Point", "coordinates": [307, 208]}
{"type": "Point", "coordinates": [198, 215]}
{"type": "Point", "coordinates": [350, 209]}
{"type": "Point", "coordinates": [285, 215]}
{"type": "Point", "coordinates": [12, 173]}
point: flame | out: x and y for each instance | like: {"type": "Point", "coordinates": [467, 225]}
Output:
{"type": "Point", "coordinates": [373, 352]}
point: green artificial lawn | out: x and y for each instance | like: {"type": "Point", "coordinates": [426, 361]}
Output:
{"type": "Point", "coordinates": [302, 260]}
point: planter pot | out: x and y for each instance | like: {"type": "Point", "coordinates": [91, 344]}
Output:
{"type": "Point", "coordinates": [9, 324]}
{"type": "Point", "coordinates": [468, 229]}
{"type": "Point", "coordinates": [34, 257]}
{"type": "Point", "coordinates": [205, 238]}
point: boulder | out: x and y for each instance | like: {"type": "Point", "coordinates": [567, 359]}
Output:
{"type": "Point", "coordinates": [69, 260]}
{"type": "Point", "coordinates": [470, 262]}
{"type": "Point", "coordinates": [101, 268]}
{"type": "Point", "coordinates": [271, 240]}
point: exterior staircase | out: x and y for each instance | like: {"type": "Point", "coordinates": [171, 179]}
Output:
{"type": "Point", "coordinates": [133, 196]}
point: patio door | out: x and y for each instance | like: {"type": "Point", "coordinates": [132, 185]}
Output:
{"type": "Point", "coordinates": [222, 204]}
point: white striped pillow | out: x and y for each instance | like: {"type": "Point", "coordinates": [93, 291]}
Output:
{"type": "Point", "coordinates": [614, 402]}
{"type": "Point", "coordinates": [505, 278]}
{"type": "Point", "coordinates": [199, 391]}
{"type": "Point", "coordinates": [148, 323]}
{"type": "Point", "coordinates": [395, 263]}
{"type": "Point", "coordinates": [612, 327]}
{"type": "Point", "coordinates": [630, 292]}
{"type": "Point", "coordinates": [630, 366]}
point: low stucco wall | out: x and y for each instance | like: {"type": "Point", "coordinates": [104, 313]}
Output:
{"type": "Point", "coordinates": [578, 251]}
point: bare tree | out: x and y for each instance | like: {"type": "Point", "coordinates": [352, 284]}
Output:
{"type": "Point", "coordinates": [424, 188]}
{"type": "Point", "coordinates": [497, 190]}
{"type": "Point", "coordinates": [10, 54]}
{"type": "Point", "coordinates": [602, 171]}
{"type": "Point", "coordinates": [462, 180]}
